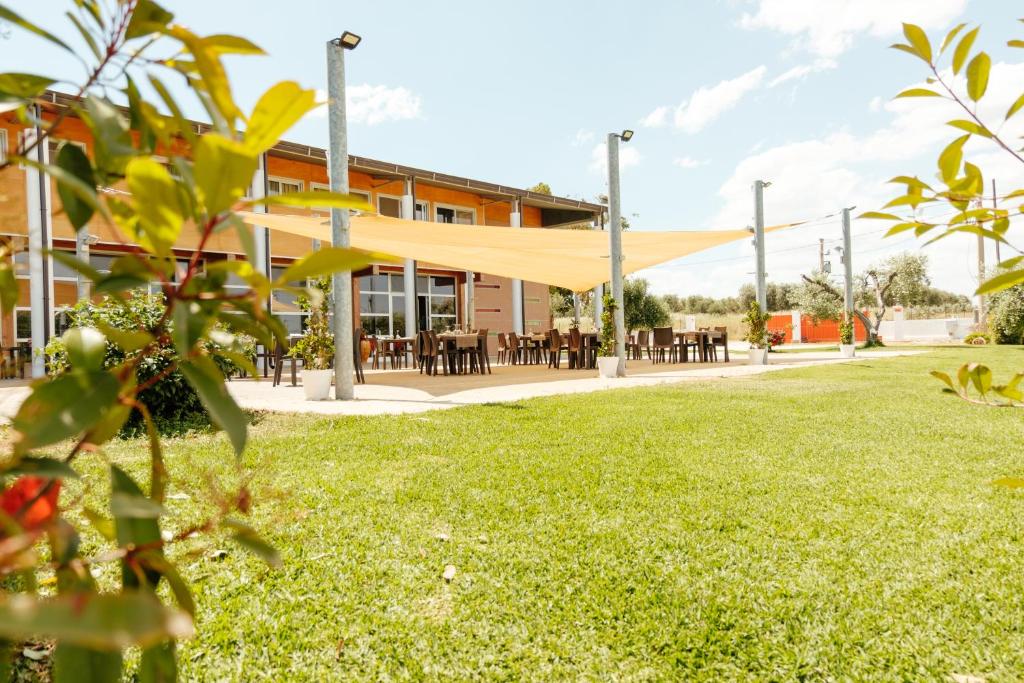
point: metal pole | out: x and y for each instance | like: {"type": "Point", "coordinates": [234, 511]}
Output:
{"type": "Point", "coordinates": [260, 235]}
{"type": "Point", "coordinates": [518, 310]}
{"type": "Point", "coordinates": [615, 249]}
{"type": "Point", "coordinates": [821, 254]}
{"type": "Point", "coordinates": [343, 360]}
{"type": "Point", "coordinates": [36, 195]}
{"type": "Point", "coordinates": [599, 290]}
{"type": "Point", "coordinates": [82, 254]}
{"type": "Point", "coordinates": [762, 296]}
{"type": "Point", "coordinates": [409, 270]}
{"type": "Point", "coordinates": [847, 263]}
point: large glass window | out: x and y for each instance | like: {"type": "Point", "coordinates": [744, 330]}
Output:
{"type": "Point", "coordinates": [382, 304]}
{"type": "Point", "coordinates": [436, 304]}
{"type": "Point", "coordinates": [453, 214]}
{"type": "Point", "coordinates": [389, 206]}
{"type": "Point", "coordinates": [283, 186]}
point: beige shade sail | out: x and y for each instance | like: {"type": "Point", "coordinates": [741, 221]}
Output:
{"type": "Point", "coordinates": [574, 259]}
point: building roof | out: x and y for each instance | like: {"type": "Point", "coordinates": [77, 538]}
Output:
{"type": "Point", "coordinates": [300, 152]}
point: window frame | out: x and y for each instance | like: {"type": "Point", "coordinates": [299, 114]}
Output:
{"type": "Point", "coordinates": [281, 180]}
{"type": "Point", "coordinates": [455, 208]}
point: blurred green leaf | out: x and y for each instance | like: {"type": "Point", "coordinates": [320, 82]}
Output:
{"type": "Point", "coordinates": [223, 171]}
{"type": "Point", "coordinates": [970, 127]}
{"type": "Point", "coordinates": [316, 199]}
{"type": "Point", "coordinates": [325, 262]}
{"type": "Point", "coordinates": [155, 198]}
{"type": "Point", "coordinates": [148, 18]}
{"type": "Point", "coordinates": [943, 377]}
{"type": "Point", "coordinates": [214, 79]}
{"type": "Point", "coordinates": [277, 111]}
{"type": "Point", "coordinates": [1010, 482]}
{"type": "Point", "coordinates": [103, 622]}
{"type": "Point", "coordinates": [977, 76]}
{"type": "Point", "coordinates": [981, 377]}
{"type": "Point", "coordinates": [42, 467]}
{"type": "Point", "coordinates": [112, 143]}
{"type": "Point", "coordinates": [225, 44]}
{"type": "Point", "coordinates": [1001, 282]}
{"type": "Point", "coordinates": [77, 664]}
{"type": "Point", "coordinates": [71, 261]}
{"type": "Point", "coordinates": [208, 382]}
{"type": "Point", "coordinates": [63, 407]}
{"type": "Point", "coordinates": [1015, 107]}
{"type": "Point", "coordinates": [126, 340]}
{"type": "Point", "coordinates": [963, 49]}
{"type": "Point", "coordinates": [86, 347]}
{"type": "Point", "coordinates": [158, 663]}
{"type": "Point", "coordinates": [963, 376]}
{"type": "Point", "coordinates": [247, 537]}
{"type": "Point", "coordinates": [8, 287]}
{"type": "Point", "coordinates": [72, 159]}
{"type": "Point", "coordinates": [191, 322]}
{"type": "Point", "coordinates": [23, 86]}
{"type": "Point", "coordinates": [880, 216]}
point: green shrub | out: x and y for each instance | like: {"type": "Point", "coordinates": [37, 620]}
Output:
{"type": "Point", "coordinates": [978, 338]}
{"type": "Point", "coordinates": [171, 401]}
{"type": "Point", "coordinates": [846, 330]}
{"type": "Point", "coordinates": [607, 348]}
{"type": "Point", "coordinates": [1006, 316]}
{"type": "Point", "coordinates": [757, 326]}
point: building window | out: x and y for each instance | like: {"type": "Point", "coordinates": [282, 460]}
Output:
{"type": "Point", "coordinates": [283, 186]}
{"type": "Point", "coordinates": [389, 206]}
{"type": "Point", "coordinates": [23, 314]}
{"type": "Point", "coordinates": [453, 214]}
{"type": "Point", "coordinates": [435, 302]}
{"type": "Point", "coordinates": [422, 211]}
{"type": "Point", "coordinates": [285, 305]}
{"type": "Point", "coordinates": [382, 304]}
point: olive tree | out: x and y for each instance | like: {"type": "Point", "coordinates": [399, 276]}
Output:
{"type": "Point", "coordinates": [150, 178]}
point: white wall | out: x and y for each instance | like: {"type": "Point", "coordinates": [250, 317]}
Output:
{"type": "Point", "coordinates": [926, 330]}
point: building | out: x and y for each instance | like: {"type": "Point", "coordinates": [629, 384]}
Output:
{"type": "Point", "coordinates": [378, 292]}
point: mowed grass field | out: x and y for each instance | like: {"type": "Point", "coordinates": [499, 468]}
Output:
{"type": "Point", "coordinates": [834, 522]}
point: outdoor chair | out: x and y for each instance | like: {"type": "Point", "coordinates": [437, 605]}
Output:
{"type": "Point", "coordinates": [712, 348]}
{"type": "Point", "coordinates": [280, 358]}
{"type": "Point", "coordinates": [574, 352]}
{"type": "Point", "coordinates": [515, 349]}
{"type": "Point", "coordinates": [685, 344]}
{"type": "Point", "coordinates": [357, 358]}
{"type": "Point", "coordinates": [502, 348]}
{"type": "Point", "coordinates": [483, 355]}
{"type": "Point", "coordinates": [556, 344]}
{"type": "Point", "coordinates": [640, 344]}
{"type": "Point", "coordinates": [664, 341]}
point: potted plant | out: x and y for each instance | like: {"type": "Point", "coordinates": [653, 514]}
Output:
{"type": "Point", "coordinates": [316, 347]}
{"type": "Point", "coordinates": [607, 360]}
{"type": "Point", "coordinates": [757, 334]}
{"type": "Point", "coordinates": [846, 344]}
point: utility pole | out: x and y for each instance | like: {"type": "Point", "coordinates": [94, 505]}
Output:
{"type": "Point", "coordinates": [847, 263]}
{"type": "Point", "coordinates": [761, 284]}
{"type": "Point", "coordinates": [615, 245]}
{"type": "Point", "coordinates": [982, 314]}
{"type": "Point", "coordinates": [821, 254]}
{"type": "Point", "coordinates": [344, 364]}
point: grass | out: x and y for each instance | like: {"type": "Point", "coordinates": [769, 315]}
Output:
{"type": "Point", "coordinates": [834, 522]}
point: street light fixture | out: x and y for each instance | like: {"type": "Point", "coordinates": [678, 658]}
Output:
{"type": "Point", "coordinates": [626, 135]}
{"type": "Point", "coordinates": [348, 40]}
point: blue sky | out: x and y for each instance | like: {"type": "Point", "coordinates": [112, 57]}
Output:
{"type": "Point", "coordinates": [794, 91]}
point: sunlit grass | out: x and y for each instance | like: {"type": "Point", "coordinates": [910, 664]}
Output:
{"type": "Point", "coordinates": [827, 522]}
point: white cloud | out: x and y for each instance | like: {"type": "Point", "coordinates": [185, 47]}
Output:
{"type": "Point", "coordinates": [802, 71]}
{"type": "Point", "coordinates": [815, 177]}
{"type": "Point", "coordinates": [373, 104]}
{"type": "Point", "coordinates": [707, 103]}
{"type": "Point", "coordinates": [582, 137]}
{"type": "Point", "coordinates": [628, 156]}
{"type": "Point", "coordinates": [688, 162]}
{"type": "Point", "coordinates": [827, 27]}
{"type": "Point", "coordinates": [656, 119]}
{"type": "Point", "coordinates": [876, 104]}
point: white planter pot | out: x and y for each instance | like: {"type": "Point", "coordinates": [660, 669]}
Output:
{"type": "Point", "coordinates": [607, 366]}
{"type": "Point", "coordinates": [316, 384]}
{"type": "Point", "coordinates": [757, 357]}
{"type": "Point", "coordinates": [847, 350]}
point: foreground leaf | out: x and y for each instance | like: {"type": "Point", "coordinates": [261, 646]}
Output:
{"type": "Point", "coordinates": [63, 407]}
{"type": "Point", "coordinates": [208, 382]}
{"type": "Point", "coordinates": [102, 622]}
{"type": "Point", "coordinates": [83, 665]}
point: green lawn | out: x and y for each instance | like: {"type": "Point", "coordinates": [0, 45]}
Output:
{"type": "Point", "coordinates": [823, 523]}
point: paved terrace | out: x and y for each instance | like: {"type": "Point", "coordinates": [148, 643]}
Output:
{"type": "Point", "coordinates": [391, 392]}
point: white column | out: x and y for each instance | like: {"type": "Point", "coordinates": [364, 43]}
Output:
{"type": "Point", "coordinates": [409, 271]}
{"type": "Point", "coordinates": [518, 321]}
{"type": "Point", "coordinates": [37, 203]}
{"type": "Point", "coordinates": [691, 323]}
{"type": "Point", "coordinates": [761, 279]}
{"type": "Point", "coordinates": [795, 321]}
{"type": "Point", "coordinates": [470, 302]}
{"type": "Point", "coordinates": [599, 290]}
{"type": "Point", "coordinates": [897, 320]}
{"type": "Point", "coordinates": [261, 236]}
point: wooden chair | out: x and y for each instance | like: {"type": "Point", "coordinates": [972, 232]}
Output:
{"type": "Point", "coordinates": [556, 344]}
{"type": "Point", "coordinates": [664, 340]}
{"type": "Point", "coordinates": [640, 344]}
{"type": "Point", "coordinates": [502, 348]}
{"type": "Point", "coordinates": [713, 344]}
{"type": "Point", "coordinates": [514, 348]}
{"type": "Point", "coordinates": [280, 358]}
{"type": "Point", "coordinates": [483, 354]}
{"type": "Point", "coordinates": [575, 348]}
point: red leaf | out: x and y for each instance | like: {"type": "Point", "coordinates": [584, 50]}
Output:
{"type": "Point", "coordinates": [14, 499]}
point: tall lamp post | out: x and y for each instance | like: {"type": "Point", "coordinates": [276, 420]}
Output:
{"type": "Point", "coordinates": [615, 244]}
{"type": "Point", "coordinates": [344, 365]}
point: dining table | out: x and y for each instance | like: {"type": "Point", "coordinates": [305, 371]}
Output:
{"type": "Point", "coordinates": [459, 342]}
{"type": "Point", "coordinates": [397, 344]}
{"type": "Point", "coordinates": [703, 339]}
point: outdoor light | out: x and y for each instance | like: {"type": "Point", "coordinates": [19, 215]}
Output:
{"type": "Point", "coordinates": [348, 40]}
{"type": "Point", "coordinates": [627, 135]}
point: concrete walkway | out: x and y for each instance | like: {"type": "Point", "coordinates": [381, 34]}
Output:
{"type": "Point", "coordinates": [374, 399]}
{"type": "Point", "coordinates": [380, 399]}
